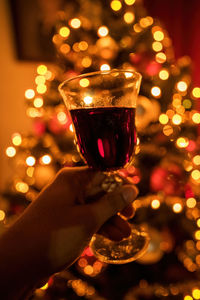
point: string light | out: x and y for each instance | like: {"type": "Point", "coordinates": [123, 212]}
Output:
{"type": "Point", "coordinates": [40, 79]}
{"type": "Point", "coordinates": [163, 119]}
{"type": "Point", "coordinates": [83, 45]}
{"type": "Point", "coordinates": [75, 23]}
{"type": "Point", "coordinates": [195, 174]}
{"type": "Point", "coordinates": [176, 119]}
{"type": "Point", "coordinates": [196, 92]}
{"type": "Point", "coordinates": [158, 35]}
{"type": "Point", "coordinates": [46, 159]}
{"type": "Point", "coordinates": [196, 118]}
{"type": "Point", "coordinates": [41, 69]}
{"type": "Point", "coordinates": [41, 89]}
{"type": "Point", "coordinates": [2, 215]}
{"type": "Point", "coordinates": [145, 22]}
{"type": "Point", "coordinates": [129, 2]}
{"type": "Point", "coordinates": [157, 46]}
{"type": "Point", "coordinates": [156, 91]}
{"type": "Point", "coordinates": [182, 86]}
{"type": "Point", "coordinates": [196, 160]}
{"type": "Point", "coordinates": [84, 82]}
{"type": "Point", "coordinates": [29, 94]}
{"type": "Point", "coordinates": [10, 151]}
{"type": "Point", "coordinates": [182, 142]}
{"type": "Point", "coordinates": [38, 102]}
{"type": "Point", "coordinates": [116, 5]}
{"type": "Point", "coordinates": [177, 207]}
{"type": "Point", "coordinates": [191, 202]}
{"type": "Point", "coordinates": [30, 161]}
{"type": "Point", "coordinates": [65, 48]}
{"type": "Point", "coordinates": [64, 31]}
{"type": "Point", "coordinates": [105, 67]}
{"type": "Point", "coordinates": [129, 17]}
{"type": "Point", "coordinates": [155, 204]}
{"type": "Point", "coordinates": [16, 139]}
{"type": "Point", "coordinates": [103, 31]}
{"type": "Point", "coordinates": [196, 293]}
{"type": "Point", "coordinates": [187, 103]}
{"type": "Point", "coordinates": [22, 187]}
{"type": "Point", "coordinates": [86, 62]}
{"type": "Point", "coordinates": [160, 57]}
{"type": "Point", "coordinates": [164, 74]}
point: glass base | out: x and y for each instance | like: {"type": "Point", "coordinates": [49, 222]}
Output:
{"type": "Point", "coordinates": [125, 251]}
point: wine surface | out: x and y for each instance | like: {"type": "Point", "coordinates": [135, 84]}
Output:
{"type": "Point", "coordinates": [106, 136]}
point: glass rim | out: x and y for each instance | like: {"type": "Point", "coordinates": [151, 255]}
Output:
{"type": "Point", "coordinates": [138, 76]}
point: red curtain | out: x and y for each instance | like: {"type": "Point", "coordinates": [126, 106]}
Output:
{"type": "Point", "coordinates": [181, 18]}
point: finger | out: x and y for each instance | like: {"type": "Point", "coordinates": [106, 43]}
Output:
{"type": "Point", "coordinates": [118, 223]}
{"type": "Point", "coordinates": [128, 212]}
{"type": "Point", "coordinates": [113, 202]}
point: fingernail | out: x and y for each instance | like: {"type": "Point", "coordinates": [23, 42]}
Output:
{"type": "Point", "coordinates": [129, 194]}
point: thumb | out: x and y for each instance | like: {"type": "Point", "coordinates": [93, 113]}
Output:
{"type": "Point", "coordinates": [113, 202]}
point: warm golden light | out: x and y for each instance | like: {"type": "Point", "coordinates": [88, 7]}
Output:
{"type": "Point", "coordinates": [71, 128]}
{"type": "Point", "coordinates": [86, 62]}
{"type": "Point", "coordinates": [129, 2]}
{"type": "Point", "coordinates": [164, 74]}
{"type": "Point", "coordinates": [177, 207]}
{"type": "Point", "coordinates": [195, 174]}
{"type": "Point", "coordinates": [196, 118]}
{"type": "Point", "coordinates": [46, 159]}
{"type": "Point", "coordinates": [88, 100]}
{"type": "Point", "coordinates": [196, 160]}
{"type": "Point", "coordinates": [163, 119]}
{"type": "Point", "coordinates": [191, 202]}
{"type": "Point", "coordinates": [182, 86]}
{"type": "Point", "coordinates": [65, 48]}
{"type": "Point", "coordinates": [10, 151]}
{"type": "Point", "coordinates": [103, 31]}
{"type": "Point", "coordinates": [158, 35]}
{"type": "Point", "coordinates": [29, 94]}
{"type": "Point", "coordinates": [30, 171]}
{"type": "Point", "coordinates": [198, 222]}
{"type": "Point", "coordinates": [83, 46]}
{"type": "Point", "coordinates": [30, 161]}
{"type": "Point", "coordinates": [64, 31]}
{"type": "Point", "coordinates": [161, 57]}
{"type": "Point", "coordinates": [75, 23]}
{"type": "Point", "coordinates": [33, 112]}
{"type": "Point", "coordinates": [41, 88]}
{"type": "Point", "coordinates": [88, 270]}
{"type": "Point", "coordinates": [40, 79]}
{"type": "Point", "coordinates": [155, 204]}
{"type": "Point", "coordinates": [16, 139]}
{"type": "Point", "coordinates": [196, 92]}
{"type": "Point", "coordinates": [145, 22]}
{"type": "Point", "coordinates": [156, 91]}
{"type": "Point", "coordinates": [44, 287]}
{"type": "Point", "coordinates": [197, 235]}
{"type": "Point", "coordinates": [62, 117]}
{"type": "Point", "coordinates": [41, 69]}
{"type": "Point", "coordinates": [167, 130]}
{"type": "Point", "coordinates": [38, 102]}
{"type": "Point", "coordinates": [196, 293]}
{"type": "Point", "coordinates": [157, 46]}
{"type": "Point", "coordinates": [187, 297]}
{"type": "Point", "coordinates": [105, 67]}
{"type": "Point", "coordinates": [22, 187]}
{"type": "Point", "coordinates": [129, 17]}
{"type": "Point", "coordinates": [2, 215]}
{"type": "Point", "coordinates": [116, 5]}
{"type": "Point", "coordinates": [176, 119]}
{"type": "Point", "coordinates": [84, 82]}
{"type": "Point", "coordinates": [182, 142]}
{"type": "Point", "coordinates": [170, 113]}
{"type": "Point", "coordinates": [137, 27]}
{"type": "Point", "coordinates": [187, 103]}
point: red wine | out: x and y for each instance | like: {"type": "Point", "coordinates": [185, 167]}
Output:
{"type": "Point", "coordinates": [106, 136]}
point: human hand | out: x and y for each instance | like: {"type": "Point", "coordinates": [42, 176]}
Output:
{"type": "Point", "coordinates": [54, 230]}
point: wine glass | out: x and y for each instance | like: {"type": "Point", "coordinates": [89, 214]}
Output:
{"type": "Point", "coordinates": [102, 106]}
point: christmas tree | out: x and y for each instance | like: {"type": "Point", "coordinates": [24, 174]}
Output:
{"type": "Point", "coordinates": [101, 35]}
